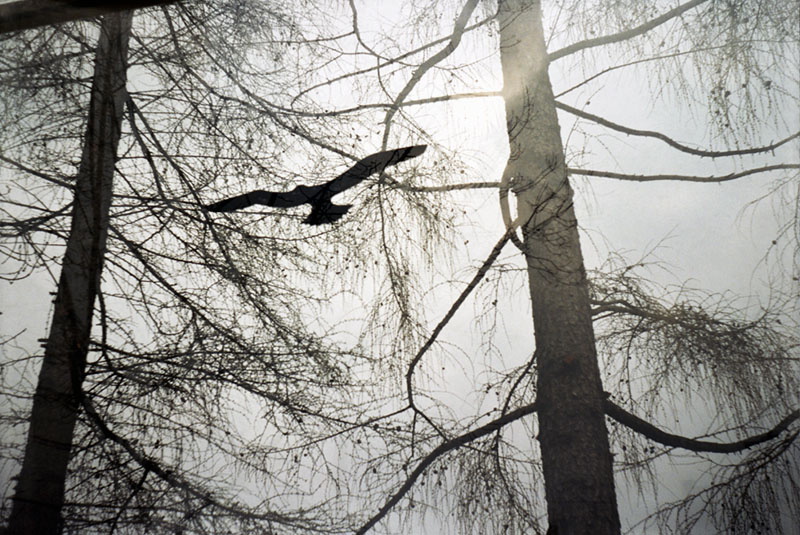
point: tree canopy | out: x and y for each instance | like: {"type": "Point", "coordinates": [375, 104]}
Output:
{"type": "Point", "coordinates": [249, 372]}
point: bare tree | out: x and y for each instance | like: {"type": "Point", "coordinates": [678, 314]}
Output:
{"type": "Point", "coordinates": [40, 492]}
{"type": "Point", "coordinates": [245, 313]}
{"type": "Point", "coordinates": [694, 344]}
{"type": "Point", "coordinates": [196, 322]}
{"type": "Point", "coordinates": [580, 497]}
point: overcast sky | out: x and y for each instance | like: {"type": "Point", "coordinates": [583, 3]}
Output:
{"type": "Point", "coordinates": [705, 234]}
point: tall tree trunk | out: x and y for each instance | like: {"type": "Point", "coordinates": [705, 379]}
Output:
{"type": "Point", "coordinates": [577, 464]}
{"type": "Point", "coordinates": [39, 494]}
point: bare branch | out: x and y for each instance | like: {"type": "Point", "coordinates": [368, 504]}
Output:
{"type": "Point", "coordinates": [22, 15]}
{"type": "Point", "coordinates": [683, 178]}
{"type": "Point", "coordinates": [449, 187]}
{"type": "Point", "coordinates": [650, 431]}
{"type": "Point", "coordinates": [458, 31]}
{"type": "Point", "coordinates": [624, 35]}
{"type": "Point", "coordinates": [357, 32]}
{"type": "Point", "coordinates": [170, 477]}
{"type": "Point", "coordinates": [456, 305]}
{"type": "Point", "coordinates": [630, 64]}
{"type": "Point", "coordinates": [50, 178]}
{"type": "Point", "coordinates": [397, 59]}
{"type": "Point", "coordinates": [415, 102]}
{"type": "Point", "coordinates": [668, 140]}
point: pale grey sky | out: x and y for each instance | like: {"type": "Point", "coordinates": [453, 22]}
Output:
{"type": "Point", "coordinates": [705, 234]}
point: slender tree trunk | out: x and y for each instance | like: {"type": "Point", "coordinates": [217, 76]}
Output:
{"type": "Point", "coordinates": [577, 464]}
{"type": "Point", "coordinates": [39, 494]}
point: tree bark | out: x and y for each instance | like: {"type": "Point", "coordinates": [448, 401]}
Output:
{"type": "Point", "coordinates": [39, 494]}
{"type": "Point", "coordinates": [576, 459]}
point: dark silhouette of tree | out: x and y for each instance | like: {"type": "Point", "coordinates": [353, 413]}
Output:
{"type": "Point", "coordinates": [225, 387]}
{"type": "Point", "coordinates": [572, 382]}
{"type": "Point", "coordinates": [195, 324]}
{"type": "Point", "coordinates": [40, 492]}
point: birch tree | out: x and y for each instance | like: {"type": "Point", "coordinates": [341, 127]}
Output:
{"type": "Point", "coordinates": [161, 364]}
{"type": "Point", "coordinates": [364, 435]}
{"type": "Point", "coordinates": [40, 492]}
{"type": "Point", "coordinates": [680, 344]}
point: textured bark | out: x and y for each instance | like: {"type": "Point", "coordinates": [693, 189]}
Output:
{"type": "Point", "coordinates": [577, 464]}
{"type": "Point", "coordinates": [39, 494]}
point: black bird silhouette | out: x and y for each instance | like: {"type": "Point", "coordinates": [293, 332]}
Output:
{"type": "Point", "coordinates": [319, 197]}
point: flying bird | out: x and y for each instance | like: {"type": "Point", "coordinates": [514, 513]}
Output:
{"type": "Point", "coordinates": [319, 197]}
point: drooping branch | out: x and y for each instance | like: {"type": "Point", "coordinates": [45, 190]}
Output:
{"type": "Point", "coordinates": [624, 35]}
{"type": "Point", "coordinates": [655, 434]}
{"type": "Point", "coordinates": [170, 477]}
{"type": "Point", "coordinates": [58, 181]}
{"type": "Point", "coordinates": [683, 178]}
{"type": "Point", "coordinates": [668, 140]}
{"type": "Point", "coordinates": [627, 64]}
{"type": "Point", "coordinates": [461, 440]}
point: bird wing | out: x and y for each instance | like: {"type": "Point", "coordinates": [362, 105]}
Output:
{"type": "Point", "coordinates": [278, 199]}
{"type": "Point", "coordinates": [299, 195]}
{"type": "Point", "coordinates": [365, 167]}
{"type": "Point", "coordinates": [268, 198]}
{"type": "Point", "coordinates": [370, 165]}
{"type": "Point", "coordinates": [241, 201]}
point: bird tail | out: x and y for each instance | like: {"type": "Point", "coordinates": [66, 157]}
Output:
{"type": "Point", "coordinates": [323, 213]}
